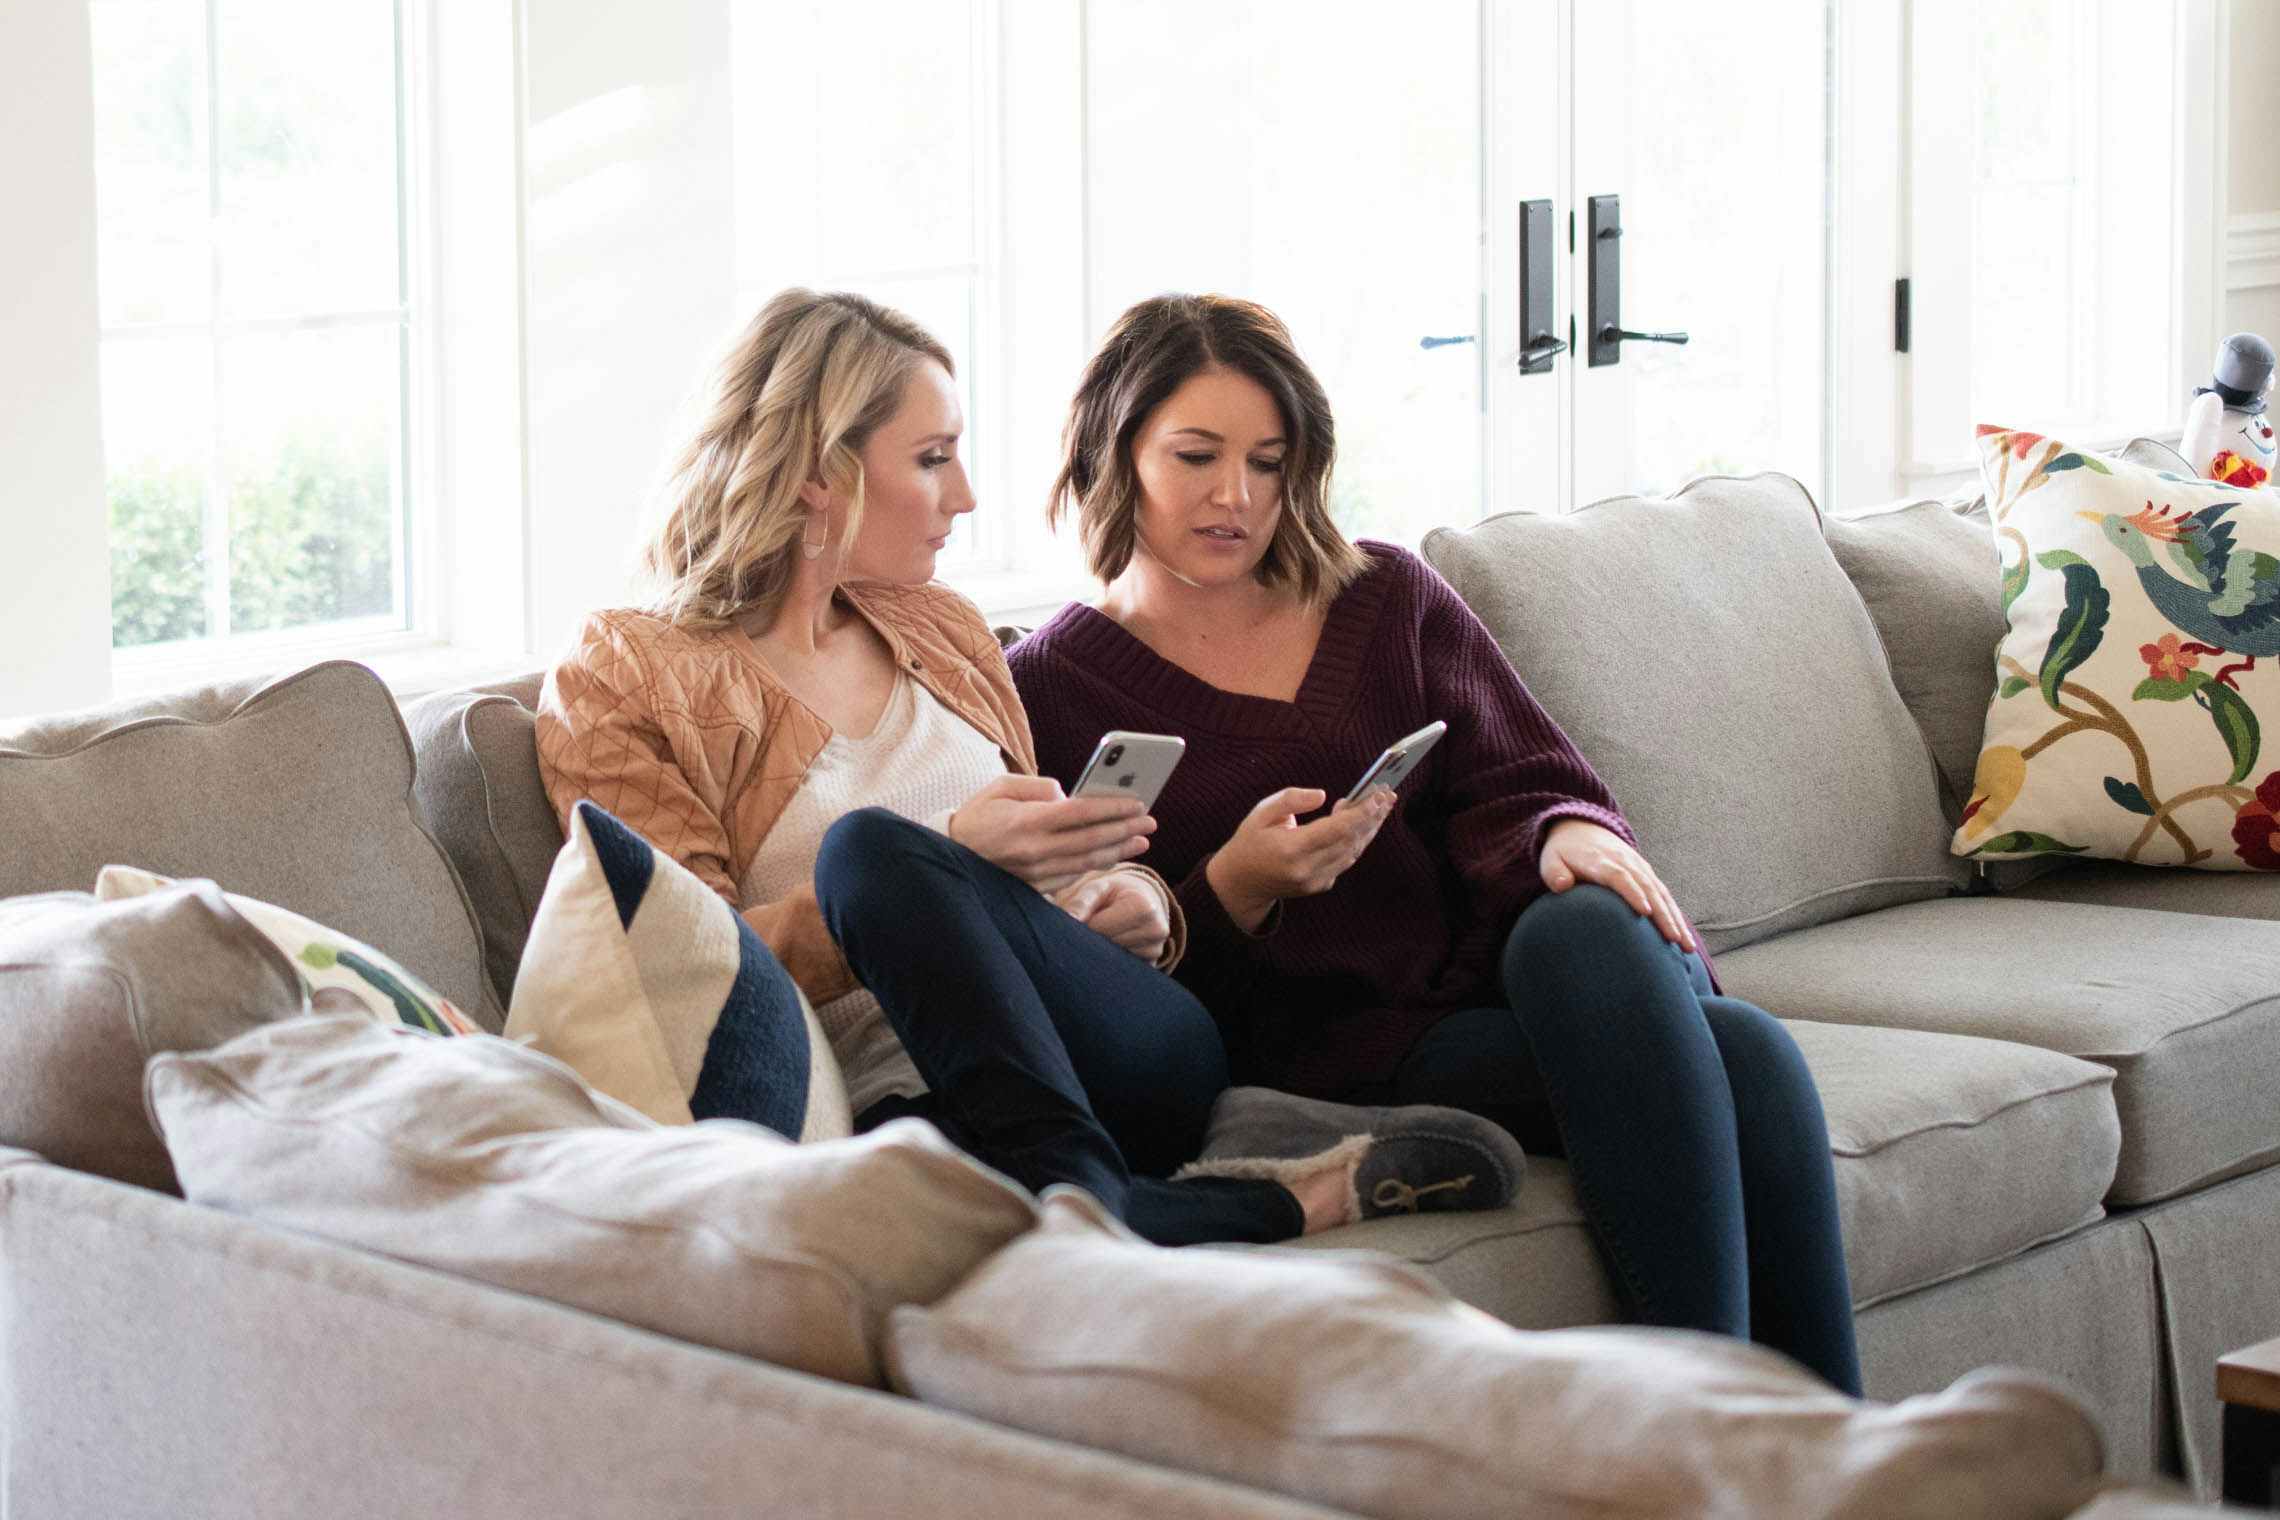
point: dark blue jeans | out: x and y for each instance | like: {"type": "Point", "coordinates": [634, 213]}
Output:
{"type": "Point", "coordinates": [1051, 1053]}
{"type": "Point", "coordinates": [1692, 1129]}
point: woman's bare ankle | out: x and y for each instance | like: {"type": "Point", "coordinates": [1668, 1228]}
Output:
{"type": "Point", "coordinates": [1327, 1196]}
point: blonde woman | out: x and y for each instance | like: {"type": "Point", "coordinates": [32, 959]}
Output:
{"type": "Point", "coordinates": [834, 743]}
{"type": "Point", "coordinates": [1491, 939]}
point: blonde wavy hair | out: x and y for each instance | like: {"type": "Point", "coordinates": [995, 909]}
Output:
{"type": "Point", "coordinates": [799, 393]}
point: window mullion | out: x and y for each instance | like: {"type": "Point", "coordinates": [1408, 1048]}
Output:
{"type": "Point", "coordinates": [214, 527]}
{"type": "Point", "coordinates": [400, 536]}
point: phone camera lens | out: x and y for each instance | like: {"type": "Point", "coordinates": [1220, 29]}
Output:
{"type": "Point", "coordinates": [1115, 753]}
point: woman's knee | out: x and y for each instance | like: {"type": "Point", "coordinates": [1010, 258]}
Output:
{"type": "Point", "coordinates": [861, 847]}
{"type": "Point", "coordinates": [1586, 923]}
{"type": "Point", "coordinates": [1757, 1048]}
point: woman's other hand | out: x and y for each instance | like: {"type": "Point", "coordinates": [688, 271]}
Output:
{"type": "Point", "coordinates": [1123, 908]}
{"type": "Point", "coordinates": [1578, 850]}
{"type": "Point", "coordinates": [1272, 855]}
{"type": "Point", "coordinates": [1024, 825]}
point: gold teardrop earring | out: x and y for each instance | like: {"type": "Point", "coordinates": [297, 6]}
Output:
{"type": "Point", "coordinates": [813, 548]}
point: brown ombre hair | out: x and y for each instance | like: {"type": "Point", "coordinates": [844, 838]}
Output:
{"type": "Point", "coordinates": [1154, 349]}
{"type": "Point", "coordinates": [797, 396]}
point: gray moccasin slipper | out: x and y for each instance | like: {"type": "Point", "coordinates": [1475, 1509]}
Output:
{"type": "Point", "coordinates": [1411, 1159]}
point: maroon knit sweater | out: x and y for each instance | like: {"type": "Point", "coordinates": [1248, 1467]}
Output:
{"type": "Point", "coordinates": [1337, 987]}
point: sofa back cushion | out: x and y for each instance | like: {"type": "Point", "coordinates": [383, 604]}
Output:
{"type": "Point", "coordinates": [296, 791]}
{"type": "Point", "coordinates": [1712, 661]}
{"type": "Point", "coordinates": [1927, 571]}
{"type": "Point", "coordinates": [479, 792]}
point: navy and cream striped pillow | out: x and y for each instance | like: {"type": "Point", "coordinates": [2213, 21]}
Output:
{"type": "Point", "coordinates": [650, 986]}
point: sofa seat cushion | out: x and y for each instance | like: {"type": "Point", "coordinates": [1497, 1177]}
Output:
{"type": "Point", "coordinates": [2229, 894]}
{"type": "Point", "coordinates": [1951, 1153]}
{"type": "Point", "coordinates": [295, 791]}
{"type": "Point", "coordinates": [1803, 790]}
{"type": "Point", "coordinates": [2185, 1009]}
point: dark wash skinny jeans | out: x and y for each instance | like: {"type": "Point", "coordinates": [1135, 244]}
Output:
{"type": "Point", "coordinates": [1692, 1129]}
{"type": "Point", "coordinates": [1051, 1053]}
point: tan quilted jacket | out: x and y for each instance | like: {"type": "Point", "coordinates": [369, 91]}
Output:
{"type": "Point", "coordinates": [687, 736]}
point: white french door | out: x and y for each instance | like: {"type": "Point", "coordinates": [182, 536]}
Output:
{"type": "Point", "coordinates": [1372, 182]}
{"type": "Point", "coordinates": [1017, 175]}
{"type": "Point", "coordinates": [1709, 127]}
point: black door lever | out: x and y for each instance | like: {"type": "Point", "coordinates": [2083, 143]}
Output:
{"type": "Point", "coordinates": [1624, 334]}
{"type": "Point", "coordinates": [1608, 334]}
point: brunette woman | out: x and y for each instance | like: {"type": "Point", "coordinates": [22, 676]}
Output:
{"type": "Point", "coordinates": [1489, 939]}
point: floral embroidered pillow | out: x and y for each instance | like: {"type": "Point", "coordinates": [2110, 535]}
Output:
{"type": "Point", "coordinates": [2140, 668]}
{"type": "Point", "coordinates": [342, 975]}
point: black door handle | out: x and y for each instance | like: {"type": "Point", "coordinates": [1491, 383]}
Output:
{"type": "Point", "coordinates": [1608, 334]}
{"type": "Point", "coordinates": [1539, 251]}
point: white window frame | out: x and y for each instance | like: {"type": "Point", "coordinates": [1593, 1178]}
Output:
{"type": "Point", "coordinates": [411, 636]}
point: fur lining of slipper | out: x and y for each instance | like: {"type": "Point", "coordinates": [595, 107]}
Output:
{"type": "Point", "coordinates": [1291, 1170]}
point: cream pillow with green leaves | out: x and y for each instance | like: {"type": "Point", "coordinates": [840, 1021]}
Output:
{"type": "Point", "coordinates": [2140, 668]}
{"type": "Point", "coordinates": [340, 974]}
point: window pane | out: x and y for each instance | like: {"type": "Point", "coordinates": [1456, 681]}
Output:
{"type": "Point", "coordinates": [1724, 204]}
{"type": "Point", "coordinates": [2071, 245]}
{"type": "Point", "coordinates": [308, 155]}
{"type": "Point", "coordinates": [311, 451]}
{"type": "Point", "coordinates": [847, 172]}
{"type": "Point", "coordinates": [1329, 169]}
{"type": "Point", "coordinates": [2023, 308]}
{"type": "Point", "coordinates": [150, 160]}
{"type": "Point", "coordinates": [157, 436]}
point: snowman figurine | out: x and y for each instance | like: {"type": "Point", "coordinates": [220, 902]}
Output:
{"type": "Point", "coordinates": [2228, 437]}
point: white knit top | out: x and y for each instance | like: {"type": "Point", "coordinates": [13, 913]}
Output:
{"type": "Point", "coordinates": [921, 760]}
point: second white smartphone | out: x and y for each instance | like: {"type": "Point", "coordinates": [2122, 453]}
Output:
{"type": "Point", "coordinates": [1399, 759]}
{"type": "Point", "coordinates": [1130, 765]}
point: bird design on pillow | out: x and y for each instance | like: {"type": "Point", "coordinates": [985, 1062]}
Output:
{"type": "Point", "coordinates": [2226, 597]}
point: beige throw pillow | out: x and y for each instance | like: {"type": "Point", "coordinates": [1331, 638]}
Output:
{"type": "Point", "coordinates": [90, 990]}
{"type": "Point", "coordinates": [340, 973]}
{"type": "Point", "coordinates": [635, 974]}
{"type": "Point", "coordinates": [479, 1157]}
{"type": "Point", "coordinates": [1361, 1385]}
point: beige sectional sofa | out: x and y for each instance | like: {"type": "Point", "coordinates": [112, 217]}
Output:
{"type": "Point", "coordinates": [2054, 1105]}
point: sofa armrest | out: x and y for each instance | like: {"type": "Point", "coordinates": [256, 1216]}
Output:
{"type": "Point", "coordinates": [163, 1359]}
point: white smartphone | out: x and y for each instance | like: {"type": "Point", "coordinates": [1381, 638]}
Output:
{"type": "Point", "coordinates": [1399, 759]}
{"type": "Point", "coordinates": [1130, 765]}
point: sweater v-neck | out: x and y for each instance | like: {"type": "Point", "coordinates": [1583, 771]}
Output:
{"type": "Point", "coordinates": [1108, 650]}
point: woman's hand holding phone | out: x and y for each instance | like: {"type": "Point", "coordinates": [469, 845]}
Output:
{"type": "Point", "coordinates": [1025, 825]}
{"type": "Point", "coordinates": [1272, 855]}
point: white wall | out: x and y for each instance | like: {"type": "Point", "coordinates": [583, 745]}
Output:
{"type": "Point", "coordinates": [55, 575]}
{"type": "Point", "coordinates": [630, 250]}
{"type": "Point", "coordinates": [2252, 163]}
